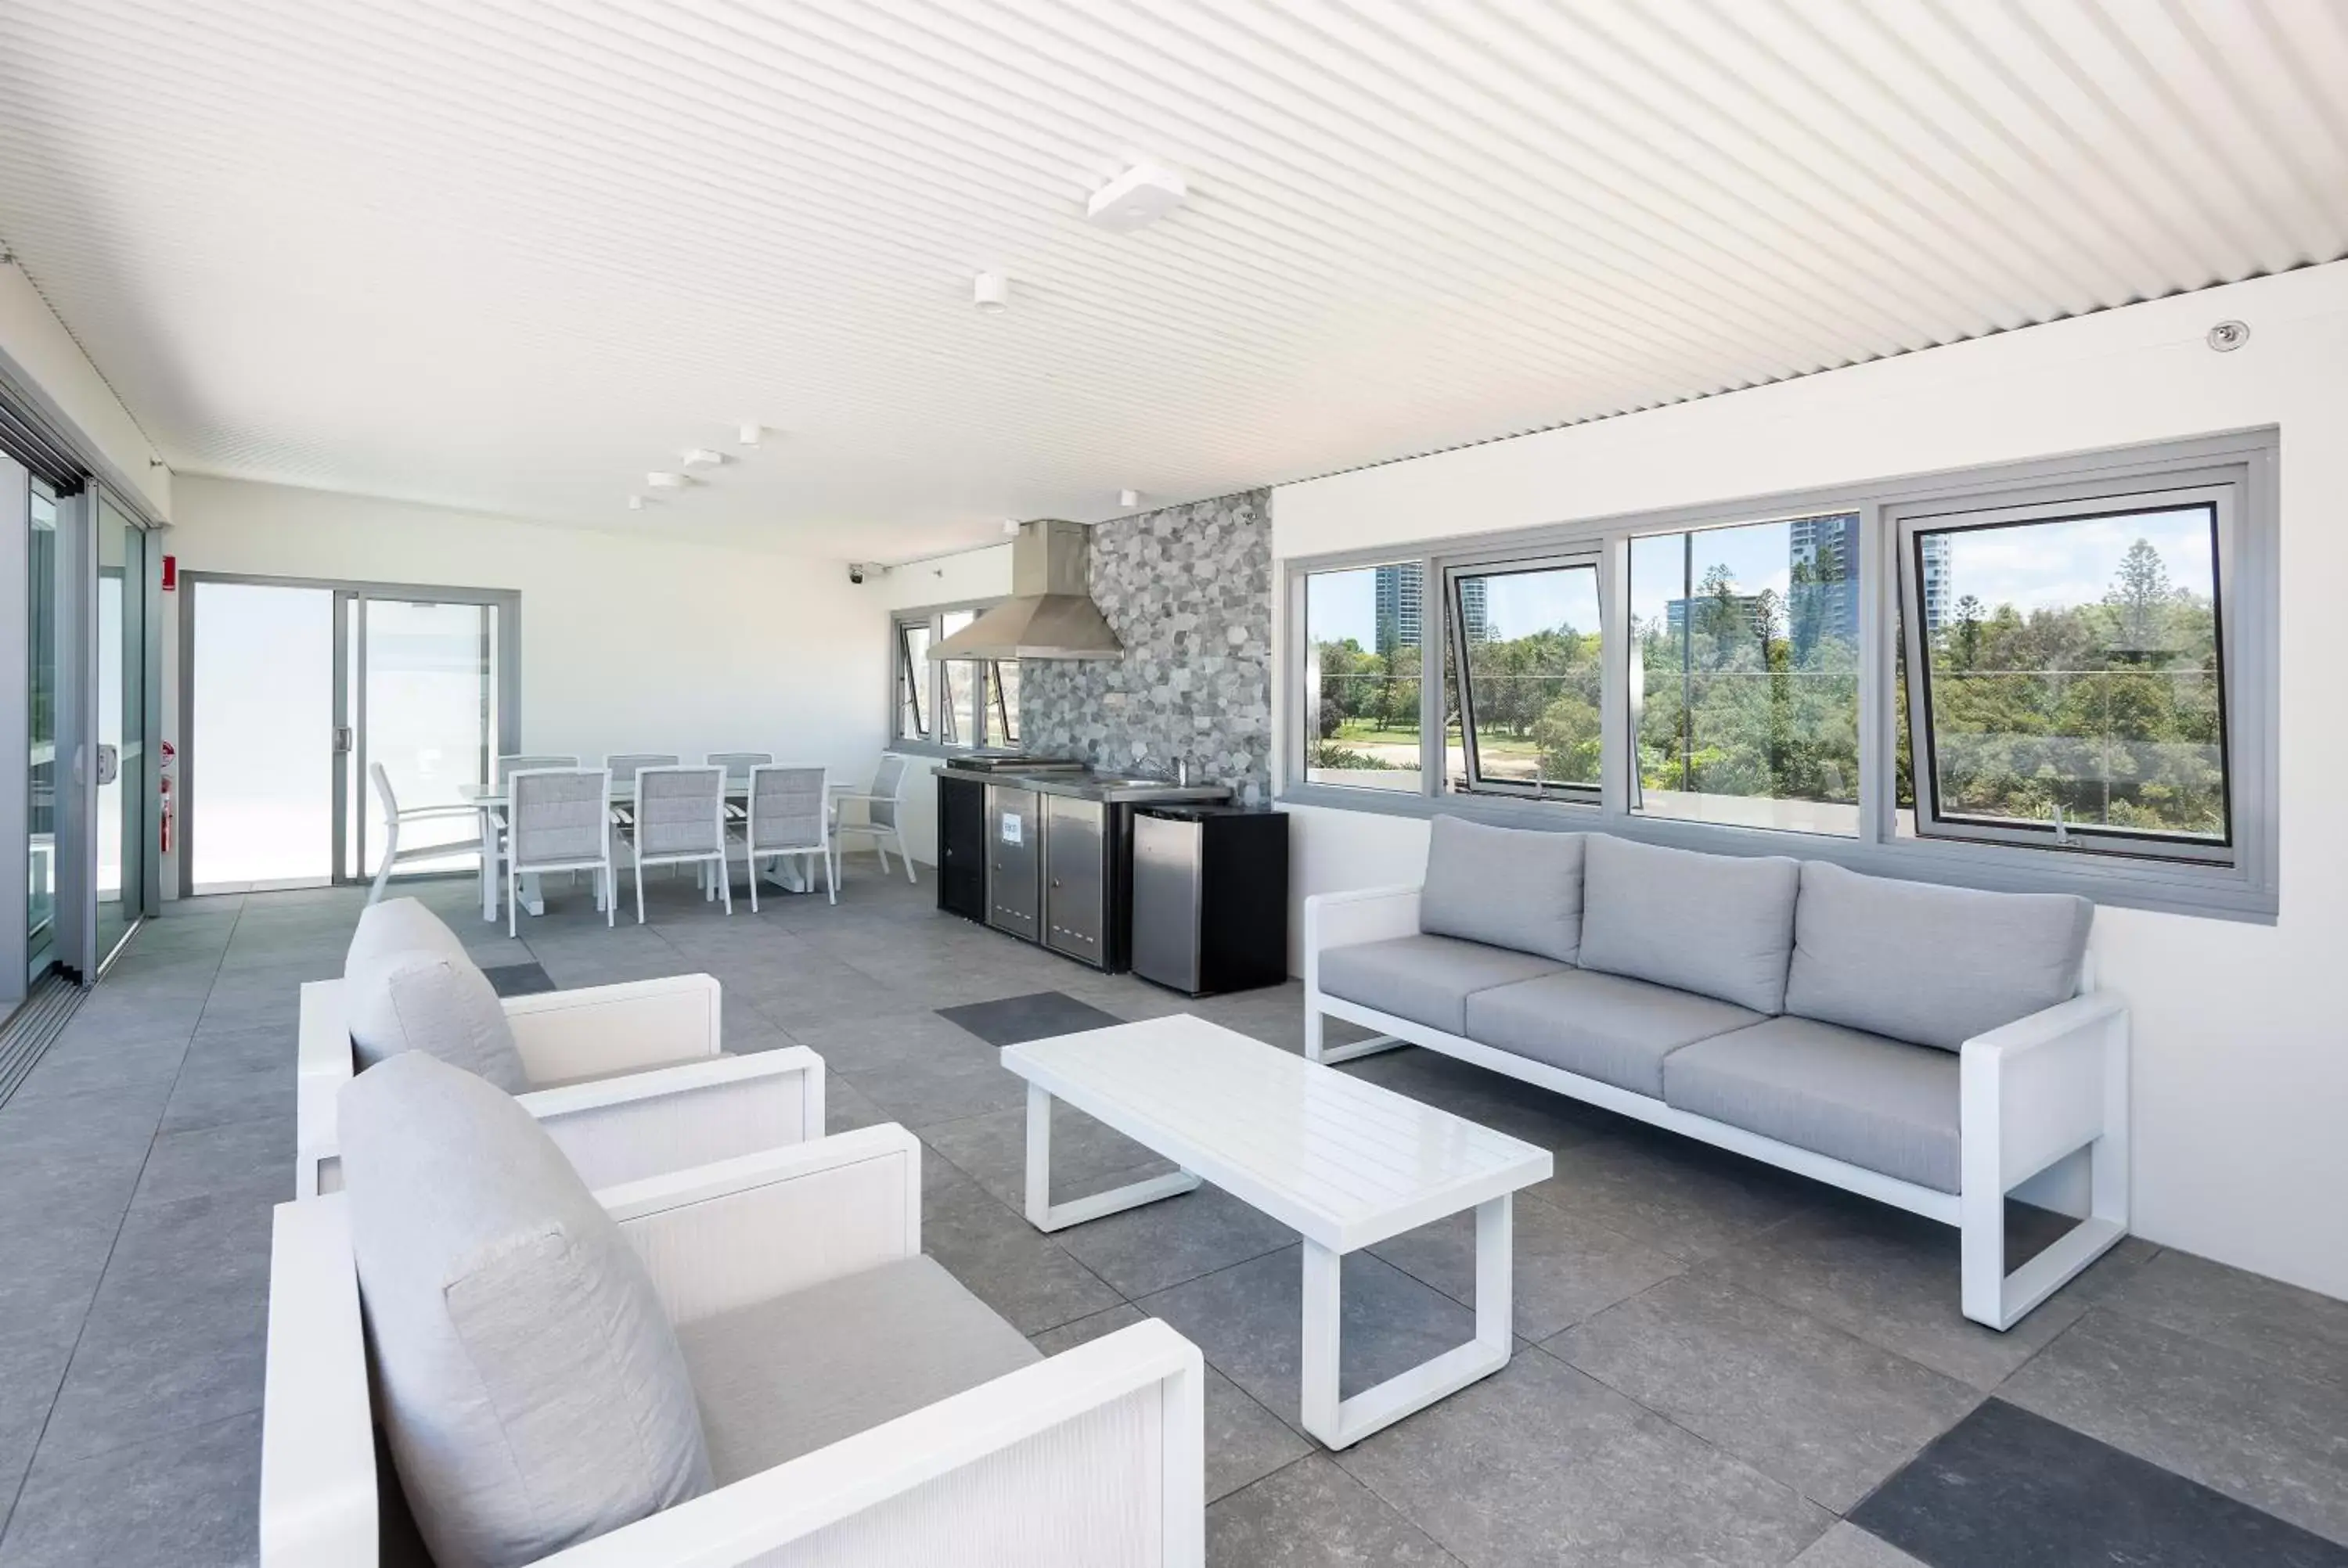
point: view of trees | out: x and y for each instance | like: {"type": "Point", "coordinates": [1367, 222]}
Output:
{"type": "Point", "coordinates": [1363, 694]}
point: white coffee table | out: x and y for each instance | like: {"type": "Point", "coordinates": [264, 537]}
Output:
{"type": "Point", "coordinates": [1343, 1163]}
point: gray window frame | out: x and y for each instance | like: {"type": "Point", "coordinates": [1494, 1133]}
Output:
{"type": "Point", "coordinates": [1455, 630]}
{"type": "Point", "coordinates": [2246, 889]}
{"type": "Point", "coordinates": [932, 682]}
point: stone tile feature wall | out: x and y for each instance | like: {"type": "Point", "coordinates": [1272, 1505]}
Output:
{"type": "Point", "coordinates": [1187, 590]}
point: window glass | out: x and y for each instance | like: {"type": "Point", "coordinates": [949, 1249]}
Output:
{"type": "Point", "coordinates": [2073, 681]}
{"type": "Point", "coordinates": [1530, 639]}
{"type": "Point", "coordinates": [1747, 674]}
{"type": "Point", "coordinates": [914, 680]}
{"type": "Point", "coordinates": [958, 718]}
{"type": "Point", "coordinates": [1362, 632]}
{"type": "Point", "coordinates": [1002, 703]}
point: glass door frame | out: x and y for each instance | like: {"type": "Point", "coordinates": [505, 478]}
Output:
{"type": "Point", "coordinates": [343, 739]}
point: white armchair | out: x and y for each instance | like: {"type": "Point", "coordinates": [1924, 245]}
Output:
{"type": "Point", "coordinates": [629, 1079]}
{"type": "Point", "coordinates": [1091, 1459]}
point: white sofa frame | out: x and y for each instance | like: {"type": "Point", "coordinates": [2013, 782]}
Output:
{"type": "Point", "coordinates": [663, 1095]}
{"type": "Point", "coordinates": [971, 1480]}
{"type": "Point", "coordinates": [2030, 1095]}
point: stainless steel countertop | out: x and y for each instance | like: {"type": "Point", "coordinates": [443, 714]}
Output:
{"type": "Point", "coordinates": [1115, 789]}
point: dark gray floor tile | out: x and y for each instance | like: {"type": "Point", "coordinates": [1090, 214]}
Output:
{"type": "Point", "coordinates": [1540, 1463]}
{"type": "Point", "coordinates": [1312, 1514]}
{"type": "Point", "coordinates": [1088, 1155]}
{"type": "Point", "coordinates": [1247, 1320]}
{"type": "Point", "coordinates": [925, 1088]}
{"type": "Point", "coordinates": [1036, 1015]}
{"type": "Point", "coordinates": [1848, 1546]}
{"type": "Point", "coordinates": [1161, 1244]}
{"type": "Point", "coordinates": [1565, 1268]}
{"type": "Point", "coordinates": [211, 1095]}
{"type": "Point", "coordinates": [2297, 1329]}
{"type": "Point", "coordinates": [526, 978]}
{"type": "Point", "coordinates": [1005, 1261]}
{"type": "Point", "coordinates": [1673, 1194]}
{"type": "Point", "coordinates": [249, 1162]}
{"type": "Point", "coordinates": [189, 1499]}
{"type": "Point", "coordinates": [2007, 1489]}
{"type": "Point", "coordinates": [176, 1336]}
{"type": "Point", "coordinates": [89, 1063]}
{"type": "Point", "coordinates": [845, 1109]}
{"type": "Point", "coordinates": [1891, 1279]}
{"type": "Point", "coordinates": [230, 1051]}
{"type": "Point", "coordinates": [1245, 1441]}
{"type": "Point", "coordinates": [1825, 1413]}
{"type": "Point", "coordinates": [1493, 1100]}
{"type": "Point", "coordinates": [2231, 1421]}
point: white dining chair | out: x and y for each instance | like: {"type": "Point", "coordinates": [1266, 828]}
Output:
{"type": "Point", "coordinates": [516, 764]}
{"type": "Point", "coordinates": [679, 820]}
{"type": "Point", "coordinates": [883, 806]}
{"type": "Point", "coordinates": [394, 818]}
{"type": "Point", "coordinates": [737, 764]}
{"type": "Point", "coordinates": [559, 819]}
{"type": "Point", "coordinates": [786, 815]}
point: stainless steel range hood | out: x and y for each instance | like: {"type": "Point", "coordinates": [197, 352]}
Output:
{"type": "Point", "coordinates": [1050, 614]}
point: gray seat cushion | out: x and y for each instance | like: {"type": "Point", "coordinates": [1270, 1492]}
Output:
{"type": "Point", "coordinates": [529, 1382]}
{"type": "Point", "coordinates": [1878, 1103]}
{"type": "Point", "coordinates": [1508, 887]}
{"type": "Point", "coordinates": [1607, 1027]}
{"type": "Point", "coordinates": [1427, 979]}
{"type": "Point", "coordinates": [424, 1001]}
{"type": "Point", "coordinates": [785, 1376]}
{"type": "Point", "coordinates": [1719, 925]}
{"type": "Point", "coordinates": [398, 925]}
{"type": "Point", "coordinates": [1936, 966]}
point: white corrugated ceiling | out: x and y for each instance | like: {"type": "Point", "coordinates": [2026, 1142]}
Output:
{"type": "Point", "coordinates": [510, 255]}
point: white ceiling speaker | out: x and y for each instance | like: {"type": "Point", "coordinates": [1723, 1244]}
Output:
{"type": "Point", "coordinates": [1128, 498]}
{"type": "Point", "coordinates": [989, 292]}
{"type": "Point", "coordinates": [1141, 195]}
{"type": "Point", "coordinates": [660, 479]}
{"type": "Point", "coordinates": [750, 433]}
{"type": "Point", "coordinates": [702, 457]}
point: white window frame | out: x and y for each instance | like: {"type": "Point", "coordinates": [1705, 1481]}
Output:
{"type": "Point", "coordinates": [2239, 884]}
{"type": "Point", "coordinates": [933, 685]}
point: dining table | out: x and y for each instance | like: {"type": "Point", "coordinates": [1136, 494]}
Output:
{"type": "Point", "coordinates": [792, 873]}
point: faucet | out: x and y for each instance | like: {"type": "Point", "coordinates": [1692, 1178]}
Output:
{"type": "Point", "coordinates": [1183, 772]}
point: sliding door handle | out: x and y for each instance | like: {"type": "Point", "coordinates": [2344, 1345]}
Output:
{"type": "Point", "coordinates": [341, 738]}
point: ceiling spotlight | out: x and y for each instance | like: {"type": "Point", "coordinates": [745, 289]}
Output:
{"type": "Point", "coordinates": [1141, 195]}
{"type": "Point", "coordinates": [1128, 498]}
{"type": "Point", "coordinates": [750, 433]}
{"type": "Point", "coordinates": [635, 503]}
{"type": "Point", "coordinates": [702, 457]}
{"type": "Point", "coordinates": [660, 479]}
{"type": "Point", "coordinates": [989, 292]}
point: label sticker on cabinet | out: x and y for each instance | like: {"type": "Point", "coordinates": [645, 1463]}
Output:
{"type": "Point", "coordinates": [1011, 831]}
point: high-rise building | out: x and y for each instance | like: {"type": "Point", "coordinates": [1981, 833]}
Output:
{"type": "Point", "coordinates": [1822, 560]}
{"type": "Point", "coordinates": [1939, 596]}
{"type": "Point", "coordinates": [1399, 595]}
{"type": "Point", "coordinates": [1475, 609]}
{"type": "Point", "coordinates": [1743, 613]}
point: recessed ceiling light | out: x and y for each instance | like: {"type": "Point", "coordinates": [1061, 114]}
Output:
{"type": "Point", "coordinates": [660, 479]}
{"type": "Point", "coordinates": [1142, 194]}
{"type": "Point", "coordinates": [751, 433]}
{"type": "Point", "coordinates": [989, 292]}
{"type": "Point", "coordinates": [702, 457]}
{"type": "Point", "coordinates": [1128, 498]}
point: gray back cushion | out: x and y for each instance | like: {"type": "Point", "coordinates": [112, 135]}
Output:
{"type": "Point", "coordinates": [1718, 925]}
{"type": "Point", "coordinates": [429, 1001]}
{"type": "Point", "coordinates": [1932, 966]}
{"type": "Point", "coordinates": [398, 925]}
{"type": "Point", "coordinates": [1507, 886]}
{"type": "Point", "coordinates": [530, 1383]}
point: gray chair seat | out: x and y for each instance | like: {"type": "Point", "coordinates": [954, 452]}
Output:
{"type": "Point", "coordinates": [1877, 1103]}
{"type": "Point", "coordinates": [1427, 979]}
{"type": "Point", "coordinates": [1607, 1027]}
{"type": "Point", "coordinates": [786, 1377]}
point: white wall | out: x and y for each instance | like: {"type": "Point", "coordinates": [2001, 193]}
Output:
{"type": "Point", "coordinates": [2241, 1040]}
{"type": "Point", "coordinates": [43, 358]}
{"type": "Point", "coordinates": [627, 644]}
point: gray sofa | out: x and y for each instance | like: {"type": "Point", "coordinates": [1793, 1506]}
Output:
{"type": "Point", "coordinates": [1931, 1047]}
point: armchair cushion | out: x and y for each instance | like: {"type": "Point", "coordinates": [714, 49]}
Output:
{"type": "Point", "coordinates": [531, 1387]}
{"type": "Point", "coordinates": [1427, 979]}
{"type": "Point", "coordinates": [398, 925]}
{"type": "Point", "coordinates": [1932, 965]}
{"type": "Point", "coordinates": [1607, 1027]}
{"type": "Point", "coordinates": [1508, 886]}
{"type": "Point", "coordinates": [422, 1000]}
{"type": "Point", "coordinates": [788, 1376]}
{"type": "Point", "coordinates": [1878, 1103]}
{"type": "Point", "coordinates": [1719, 925]}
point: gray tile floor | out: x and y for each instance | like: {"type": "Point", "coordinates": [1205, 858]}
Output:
{"type": "Point", "coordinates": [1715, 1360]}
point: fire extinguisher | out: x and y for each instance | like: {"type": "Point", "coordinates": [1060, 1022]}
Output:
{"type": "Point", "coordinates": [170, 755]}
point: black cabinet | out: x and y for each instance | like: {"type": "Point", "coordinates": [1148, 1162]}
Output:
{"type": "Point", "coordinates": [1210, 897]}
{"type": "Point", "coordinates": [961, 848]}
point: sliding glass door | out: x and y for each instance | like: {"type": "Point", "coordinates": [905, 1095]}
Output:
{"type": "Point", "coordinates": [120, 823]}
{"type": "Point", "coordinates": [295, 691]}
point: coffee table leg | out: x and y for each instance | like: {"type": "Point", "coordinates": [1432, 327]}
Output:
{"type": "Point", "coordinates": [1046, 1215]}
{"type": "Point", "coordinates": [1342, 1423]}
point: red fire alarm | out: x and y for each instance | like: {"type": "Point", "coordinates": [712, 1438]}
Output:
{"type": "Point", "coordinates": [171, 573]}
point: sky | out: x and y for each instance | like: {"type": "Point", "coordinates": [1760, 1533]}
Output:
{"type": "Point", "coordinates": [2040, 566]}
